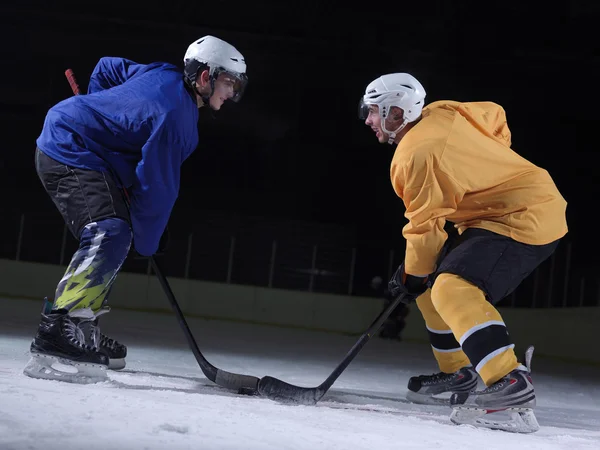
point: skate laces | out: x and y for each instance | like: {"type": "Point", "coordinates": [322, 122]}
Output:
{"type": "Point", "coordinates": [110, 343]}
{"type": "Point", "coordinates": [76, 335]}
{"type": "Point", "coordinates": [104, 340]}
{"type": "Point", "coordinates": [86, 322]}
{"type": "Point", "coordinates": [96, 335]}
{"type": "Point", "coordinates": [496, 386]}
{"type": "Point", "coordinates": [435, 377]}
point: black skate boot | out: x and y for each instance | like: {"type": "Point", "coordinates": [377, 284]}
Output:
{"type": "Point", "coordinates": [512, 395]}
{"type": "Point", "coordinates": [59, 351]}
{"type": "Point", "coordinates": [436, 389]}
{"type": "Point", "coordinates": [116, 351]}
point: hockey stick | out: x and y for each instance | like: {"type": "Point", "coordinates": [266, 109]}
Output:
{"type": "Point", "coordinates": [243, 384]}
{"type": "Point", "coordinates": [281, 391]}
{"type": "Point", "coordinates": [72, 81]}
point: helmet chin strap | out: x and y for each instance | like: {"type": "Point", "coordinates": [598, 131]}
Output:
{"type": "Point", "coordinates": [392, 134]}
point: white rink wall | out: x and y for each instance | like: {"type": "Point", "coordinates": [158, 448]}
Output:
{"type": "Point", "coordinates": [139, 292]}
{"type": "Point", "coordinates": [565, 333]}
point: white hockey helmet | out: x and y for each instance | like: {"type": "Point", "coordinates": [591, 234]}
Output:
{"type": "Point", "coordinates": [395, 89]}
{"type": "Point", "coordinates": [218, 57]}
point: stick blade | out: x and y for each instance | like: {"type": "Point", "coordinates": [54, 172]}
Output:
{"type": "Point", "coordinates": [236, 381]}
{"type": "Point", "coordinates": [280, 391]}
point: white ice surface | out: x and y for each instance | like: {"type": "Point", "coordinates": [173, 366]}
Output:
{"type": "Point", "coordinates": [163, 401]}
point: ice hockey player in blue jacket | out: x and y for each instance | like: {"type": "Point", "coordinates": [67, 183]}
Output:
{"type": "Point", "coordinates": [133, 130]}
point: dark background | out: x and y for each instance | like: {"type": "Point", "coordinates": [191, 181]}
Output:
{"type": "Point", "coordinates": [293, 157]}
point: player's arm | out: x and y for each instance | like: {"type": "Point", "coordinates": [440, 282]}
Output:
{"type": "Point", "coordinates": [156, 186]}
{"type": "Point", "coordinates": [430, 195]}
{"type": "Point", "coordinates": [111, 72]}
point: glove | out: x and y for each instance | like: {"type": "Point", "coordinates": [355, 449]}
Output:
{"type": "Point", "coordinates": [163, 245]}
{"type": "Point", "coordinates": [407, 285]}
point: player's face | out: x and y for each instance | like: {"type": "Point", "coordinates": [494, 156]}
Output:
{"type": "Point", "coordinates": [374, 121]}
{"type": "Point", "coordinates": [225, 88]}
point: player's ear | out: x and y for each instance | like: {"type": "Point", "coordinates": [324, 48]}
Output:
{"type": "Point", "coordinates": [203, 78]}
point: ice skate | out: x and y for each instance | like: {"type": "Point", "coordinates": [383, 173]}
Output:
{"type": "Point", "coordinates": [115, 350]}
{"type": "Point", "coordinates": [95, 338]}
{"type": "Point", "coordinates": [436, 389]}
{"type": "Point", "coordinates": [59, 350]}
{"type": "Point", "coordinates": [505, 405]}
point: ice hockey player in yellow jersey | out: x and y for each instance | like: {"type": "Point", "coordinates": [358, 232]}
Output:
{"type": "Point", "coordinates": [453, 165]}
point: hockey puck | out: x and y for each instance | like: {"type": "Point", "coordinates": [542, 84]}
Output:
{"type": "Point", "coordinates": [247, 391]}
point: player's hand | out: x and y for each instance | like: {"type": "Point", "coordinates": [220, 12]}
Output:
{"type": "Point", "coordinates": [408, 285]}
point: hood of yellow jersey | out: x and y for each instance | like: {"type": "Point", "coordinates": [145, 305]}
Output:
{"type": "Point", "coordinates": [487, 117]}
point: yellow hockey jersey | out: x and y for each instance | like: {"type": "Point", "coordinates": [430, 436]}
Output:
{"type": "Point", "coordinates": [456, 165]}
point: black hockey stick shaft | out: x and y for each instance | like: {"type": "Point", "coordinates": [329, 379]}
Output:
{"type": "Point", "coordinates": [281, 391]}
{"type": "Point", "coordinates": [223, 378]}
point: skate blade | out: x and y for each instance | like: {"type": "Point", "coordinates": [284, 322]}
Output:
{"type": "Point", "coordinates": [116, 363]}
{"type": "Point", "coordinates": [48, 367]}
{"type": "Point", "coordinates": [423, 399]}
{"type": "Point", "coordinates": [520, 420]}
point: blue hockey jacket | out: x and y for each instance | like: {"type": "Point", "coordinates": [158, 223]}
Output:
{"type": "Point", "coordinates": [139, 123]}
